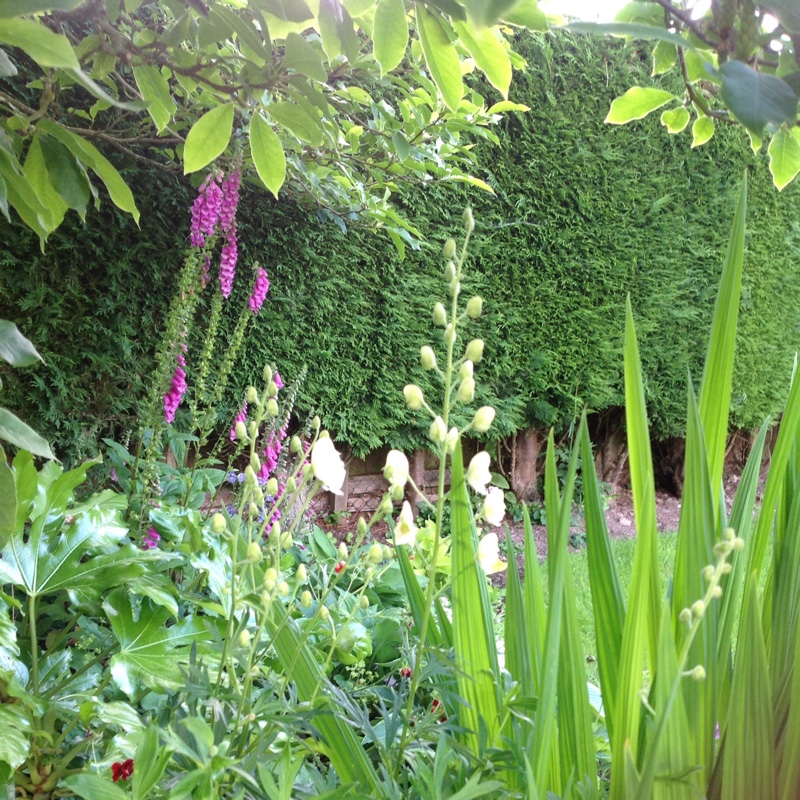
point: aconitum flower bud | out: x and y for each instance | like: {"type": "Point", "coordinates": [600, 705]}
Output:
{"type": "Point", "coordinates": [267, 374]}
{"type": "Point", "coordinates": [483, 419]}
{"type": "Point", "coordinates": [364, 602]}
{"type": "Point", "coordinates": [253, 552]}
{"type": "Point", "coordinates": [252, 394]}
{"type": "Point", "coordinates": [324, 614]}
{"type": "Point", "coordinates": [361, 528]}
{"type": "Point", "coordinates": [270, 579]}
{"type": "Point", "coordinates": [295, 445]}
{"type": "Point", "coordinates": [291, 485]}
{"type": "Point", "coordinates": [439, 315]}
{"type": "Point", "coordinates": [449, 272]}
{"type": "Point", "coordinates": [342, 551]}
{"type": "Point", "coordinates": [244, 638]}
{"type": "Point", "coordinates": [452, 440]}
{"type": "Point", "coordinates": [474, 351]}
{"type": "Point", "coordinates": [272, 487]}
{"type": "Point", "coordinates": [469, 221]}
{"type": "Point", "coordinates": [253, 510]}
{"type": "Point", "coordinates": [438, 431]}
{"type": "Point", "coordinates": [283, 589]}
{"type": "Point", "coordinates": [252, 429]}
{"type": "Point", "coordinates": [272, 407]}
{"type": "Point", "coordinates": [466, 391]}
{"type": "Point", "coordinates": [449, 248]}
{"type": "Point", "coordinates": [413, 395]}
{"type": "Point", "coordinates": [306, 600]}
{"type": "Point", "coordinates": [427, 357]}
{"type": "Point", "coordinates": [250, 476]}
{"type": "Point", "coordinates": [474, 307]}
{"type": "Point", "coordinates": [301, 575]}
{"type": "Point", "coordinates": [255, 462]}
{"type": "Point", "coordinates": [375, 554]}
{"type": "Point", "coordinates": [218, 524]}
{"type": "Point", "coordinates": [466, 370]}
{"type": "Point", "coordinates": [450, 333]}
{"type": "Point", "coordinates": [316, 422]}
{"type": "Point", "coordinates": [272, 389]}
{"type": "Point", "coordinates": [241, 431]}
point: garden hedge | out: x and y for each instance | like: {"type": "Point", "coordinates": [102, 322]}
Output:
{"type": "Point", "coordinates": [583, 214]}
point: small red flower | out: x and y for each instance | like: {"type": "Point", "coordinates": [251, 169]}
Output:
{"type": "Point", "coordinates": [122, 771]}
{"type": "Point", "coordinates": [405, 672]}
{"type": "Point", "coordinates": [434, 705]}
{"type": "Point", "coordinates": [339, 567]}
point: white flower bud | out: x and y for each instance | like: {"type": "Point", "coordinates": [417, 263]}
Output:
{"type": "Point", "coordinates": [250, 476]}
{"type": "Point", "coordinates": [474, 351]}
{"type": "Point", "coordinates": [315, 423]}
{"type": "Point", "coordinates": [452, 440]}
{"type": "Point", "coordinates": [466, 370]}
{"type": "Point", "coordinates": [375, 554]}
{"type": "Point", "coordinates": [306, 600]}
{"type": "Point", "coordinates": [474, 307]}
{"type": "Point", "coordinates": [255, 462]}
{"type": "Point", "coordinates": [449, 272]}
{"type": "Point", "coordinates": [272, 407]}
{"type": "Point", "coordinates": [450, 334]}
{"type": "Point", "coordinates": [295, 445]}
{"type": "Point", "coordinates": [469, 221]}
{"type": "Point", "coordinates": [449, 248]}
{"type": "Point", "coordinates": [364, 602]}
{"type": "Point", "coordinates": [267, 374]}
{"type": "Point", "coordinates": [698, 609]}
{"type": "Point", "coordinates": [291, 485]}
{"type": "Point", "coordinates": [413, 395]}
{"type": "Point", "coordinates": [241, 431]}
{"type": "Point", "coordinates": [324, 613]}
{"type": "Point", "coordinates": [253, 510]}
{"type": "Point", "coordinates": [253, 552]}
{"type": "Point", "coordinates": [342, 551]}
{"type": "Point", "coordinates": [218, 524]}
{"type": "Point", "coordinates": [698, 673]}
{"type": "Point", "coordinates": [244, 638]}
{"type": "Point", "coordinates": [483, 419]}
{"type": "Point", "coordinates": [252, 394]}
{"type": "Point", "coordinates": [301, 575]}
{"type": "Point", "coordinates": [272, 487]}
{"type": "Point", "coordinates": [252, 429]}
{"type": "Point", "coordinates": [270, 579]}
{"type": "Point", "coordinates": [272, 389]}
{"type": "Point", "coordinates": [427, 357]}
{"type": "Point", "coordinates": [283, 589]}
{"type": "Point", "coordinates": [438, 431]}
{"type": "Point", "coordinates": [439, 315]}
{"type": "Point", "coordinates": [466, 391]}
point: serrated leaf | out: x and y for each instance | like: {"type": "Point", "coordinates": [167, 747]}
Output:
{"type": "Point", "coordinates": [268, 155]}
{"type": "Point", "coordinates": [15, 431]}
{"type": "Point", "coordinates": [756, 99]}
{"type": "Point", "coordinates": [702, 131]}
{"type": "Point", "coordinates": [208, 138]}
{"type": "Point", "coordinates": [15, 348]}
{"type": "Point", "coordinates": [441, 57]}
{"type": "Point", "coordinates": [637, 103]}
{"type": "Point", "coordinates": [302, 57]}
{"type": "Point", "coordinates": [389, 34]}
{"type": "Point", "coordinates": [675, 119]}
{"type": "Point", "coordinates": [46, 48]}
{"type": "Point", "coordinates": [489, 54]}
{"type": "Point", "coordinates": [303, 125]}
{"type": "Point", "coordinates": [784, 157]}
{"type": "Point", "coordinates": [88, 154]}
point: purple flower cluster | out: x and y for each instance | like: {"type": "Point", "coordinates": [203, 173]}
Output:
{"type": "Point", "coordinates": [206, 210]}
{"type": "Point", "coordinates": [227, 222]}
{"type": "Point", "coordinates": [230, 200]}
{"type": "Point", "coordinates": [227, 263]}
{"type": "Point", "coordinates": [151, 539]}
{"type": "Point", "coordinates": [172, 399]}
{"type": "Point", "coordinates": [260, 290]}
{"type": "Point", "coordinates": [241, 417]}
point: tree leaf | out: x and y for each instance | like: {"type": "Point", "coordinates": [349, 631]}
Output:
{"type": "Point", "coordinates": [507, 105]}
{"type": "Point", "coordinates": [441, 57]}
{"type": "Point", "coordinates": [18, 8]}
{"type": "Point", "coordinates": [489, 54]}
{"type": "Point", "coordinates": [784, 157]}
{"type": "Point", "coordinates": [302, 124]}
{"type": "Point", "coordinates": [15, 431]}
{"type": "Point", "coordinates": [675, 119]}
{"type": "Point", "coordinates": [35, 170]}
{"type": "Point", "coordinates": [389, 34]}
{"type": "Point", "coordinates": [301, 56]}
{"type": "Point", "coordinates": [46, 48]}
{"type": "Point", "coordinates": [7, 68]}
{"type": "Point", "coordinates": [15, 348]}
{"type": "Point", "coordinates": [268, 155]}
{"type": "Point", "coordinates": [401, 145]}
{"type": "Point", "coordinates": [637, 103]}
{"type": "Point", "coordinates": [757, 99]}
{"type": "Point", "coordinates": [208, 138]}
{"type": "Point", "coordinates": [630, 30]}
{"type": "Point", "coordinates": [88, 154]}
{"type": "Point", "coordinates": [702, 130]}
{"type": "Point", "coordinates": [664, 54]}
{"type": "Point", "coordinates": [527, 14]}
{"type": "Point", "coordinates": [155, 90]}
{"type": "Point", "coordinates": [67, 177]}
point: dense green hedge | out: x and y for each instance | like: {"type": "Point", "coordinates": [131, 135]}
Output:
{"type": "Point", "coordinates": [584, 213]}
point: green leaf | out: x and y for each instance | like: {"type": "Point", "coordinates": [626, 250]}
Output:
{"type": "Point", "coordinates": [150, 763]}
{"type": "Point", "coordinates": [91, 786]}
{"type": "Point", "coordinates": [36, 172]}
{"type": "Point", "coordinates": [787, 11]}
{"type": "Point", "coordinates": [7, 68]}
{"type": "Point", "coordinates": [15, 741]}
{"type": "Point", "coordinates": [489, 54]}
{"type": "Point", "coordinates": [338, 32]}
{"type": "Point", "coordinates": [155, 91]}
{"type": "Point", "coordinates": [88, 154]}
{"type": "Point", "coordinates": [488, 12]}
{"type": "Point", "coordinates": [441, 57]}
{"type": "Point", "coordinates": [68, 178]}
{"type": "Point", "coordinates": [101, 94]}
{"type": "Point", "coordinates": [302, 124]}
{"type": "Point", "coordinates": [507, 105]}
{"type": "Point", "coordinates": [15, 431]}
{"type": "Point", "coordinates": [527, 14]}
{"type": "Point", "coordinates": [637, 103]}
{"type": "Point", "coordinates": [702, 131]}
{"type": "Point", "coordinates": [46, 48]}
{"type": "Point", "coordinates": [268, 155]}
{"type": "Point", "coordinates": [756, 98]}
{"type": "Point", "coordinates": [15, 348]}
{"type": "Point", "coordinates": [664, 55]}
{"type": "Point", "coordinates": [24, 198]}
{"type": "Point", "coordinates": [698, 66]}
{"type": "Point", "coordinates": [630, 30]}
{"type": "Point", "coordinates": [4, 199]}
{"type": "Point", "coordinates": [8, 501]}
{"type": "Point", "coordinates": [401, 145]}
{"type": "Point", "coordinates": [675, 119]}
{"type": "Point", "coordinates": [389, 34]}
{"type": "Point", "coordinates": [18, 8]}
{"type": "Point", "coordinates": [302, 57]}
{"type": "Point", "coordinates": [208, 138]}
{"type": "Point", "coordinates": [150, 652]}
{"type": "Point", "coordinates": [784, 156]}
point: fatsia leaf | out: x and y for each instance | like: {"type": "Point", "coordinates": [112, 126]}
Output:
{"type": "Point", "coordinates": [151, 652]}
{"type": "Point", "coordinates": [208, 138]}
{"type": "Point", "coordinates": [268, 155]}
{"type": "Point", "coordinates": [441, 57]}
{"type": "Point", "coordinates": [390, 34]}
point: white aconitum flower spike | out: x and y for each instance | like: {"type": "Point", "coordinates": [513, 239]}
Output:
{"type": "Point", "coordinates": [405, 531]}
{"type": "Point", "coordinates": [478, 473]}
{"type": "Point", "coordinates": [328, 465]}
{"type": "Point", "coordinates": [489, 555]}
{"type": "Point", "coordinates": [396, 469]}
{"type": "Point", "coordinates": [494, 507]}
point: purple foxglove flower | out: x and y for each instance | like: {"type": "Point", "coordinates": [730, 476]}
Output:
{"type": "Point", "coordinates": [260, 290]}
{"type": "Point", "coordinates": [151, 539]}
{"type": "Point", "coordinates": [241, 417]}
{"type": "Point", "coordinates": [229, 201]}
{"type": "Point", "coordinates": [279, 383]}
{"type": "Point", "coordinates": [227, 263]}
{"type": "Point", "coordinates": [172, 399]}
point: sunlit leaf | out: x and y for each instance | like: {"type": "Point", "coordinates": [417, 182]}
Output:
{"type": "Point", "coordinates": [46, 48]}
{"type": "Point", "coordinates": [637, 103]}
{"type": "Point", "coordinates": [390, 34]}
{"type": "Point", "coordinates": [208, 138]}
{"type": "Point", "coordinates": [441, 57]}
{"type": "Point", "coordinates": [784, 156]}
{"type": "Point", "coordinates": [268, 155]}
{"type": "Point", "coordinates": [702, 131]}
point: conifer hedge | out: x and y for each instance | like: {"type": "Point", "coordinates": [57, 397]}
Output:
{"type": "Point", "coordinates": [583, 214]}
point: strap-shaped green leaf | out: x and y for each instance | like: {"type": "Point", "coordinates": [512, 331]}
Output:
{"type": "Point", "coordinates": [440, 56]}
{"type": "Point", "coordinates": [389, 34]}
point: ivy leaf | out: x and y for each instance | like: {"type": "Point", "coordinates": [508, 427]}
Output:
{"type": "Point", "coordinates": [489, 54]}
{"type": "Point", "coordinates": [756, 99]}
{"type": "Point", "coordinates": [150, 652]}
{"type": "Point", "coordinates": [675, 119]}
{"type": "Point", "coordinates": [441, 57]}
{"type": "Point", "coordinates": [702, 130]}
{"type": "Point", "coordinates": [268, 155]}
{"type": "Point", "coordinates": [784, 157]}
{"type": "Point", "coordinates": [15, 348]}
{"type": "Point", "coordinates": [389, 34]}
{"type": "Point", "coordinates": [637, 103]}
{"type": "Point", "coordinates": [208, 138]}
{"type": "Point", "coordinates": [46, 48]}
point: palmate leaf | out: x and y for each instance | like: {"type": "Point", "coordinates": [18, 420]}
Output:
{"type": "Point", "coordinates": [151, 653]}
